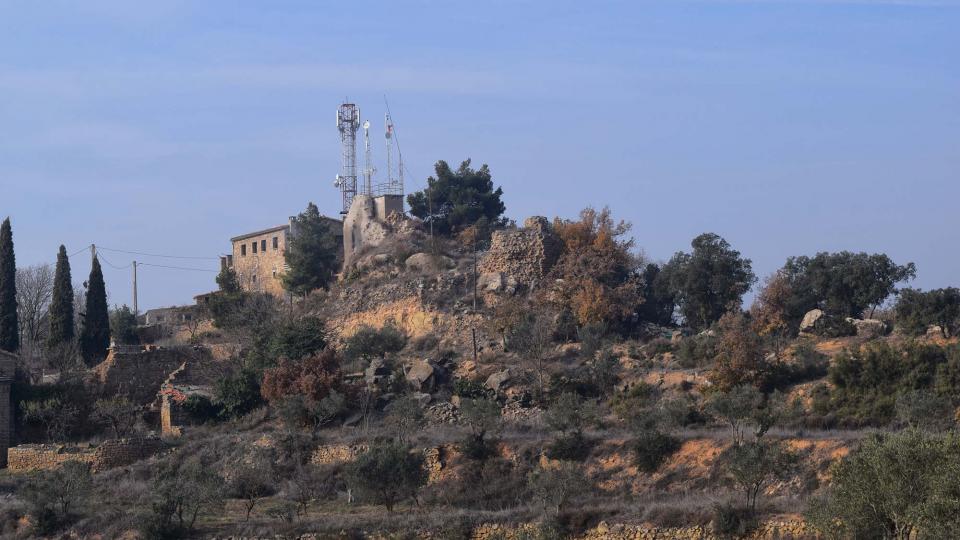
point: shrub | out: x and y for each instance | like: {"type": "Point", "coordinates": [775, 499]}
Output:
{"type": "Point", "coordinates": [388, 474]}
{"type": "Point", "coordinates": [368, 342]}
{"type": "Point", "coordinates": [314, 377]}
{"type": "Point", "coordinates": [917, 310]}
{"type": "Point", "coordinates": [298, 338]}
{"type": "Point", "coordinates": [894, 486]}
{"type": "Point", "coordinates": [740, 356]}
{"type": "Point", "coordinates": [118, 412]}
{"type": "Point", "coordinates": [570, 446]}
{"type": "Point", "coordinates": [696, 351]}
{"type": "Point", "coordinates": [201, 409]}
{"type": "Point", "coordinates": [251, 482]}
{"type": "Point", "coordinates": [869, 380]}
{"type": "Point", "coordinates": [53, 494]}
{"type": "Point", "coordinates": [481, 417]}
{"type": "Point", "coordinates": [237, 394]}
{"type": "Point", "coordinates": [553, 487]}
{"type": "Point", "coordinates": [470, 389]}
{"type": "Point", "coordinates": [632, 405]}
{"type": "Point", "coordinates": [651, 448]}
{"type": "Point", "coordinates": [924, 409]}
{"type": "Point", "coordinates": [732, 520]}
{"type": "Point", "coordinates": [752, 465]}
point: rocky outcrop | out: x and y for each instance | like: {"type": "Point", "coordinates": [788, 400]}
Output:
{"type": "Point", "coordinates": [498, 381]}
{"type": "Point", "coordinates": [869, 328]}
{"type": "Point", "coordinates": [819, 323]}
{"type": "Point", "coordinates": [421, 375]}
{"type": "Point", "coordinates": [425, 262]}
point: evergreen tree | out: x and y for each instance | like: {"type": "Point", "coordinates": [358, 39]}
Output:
{"type": "Point", "coordinates": [311, 253]}
{"type": "Point", "coordinates": [123, 324]}
{"type": "Point", "coordinates": [9, 328]}
{"type": "Point", "coordinates": [455, 200]}
{"type": "Point", "coordinates": [227, 280]}
{"type": "Point", "coordinates": [95, 334]}
{"type": "Point", "coordinates": [61, 304]}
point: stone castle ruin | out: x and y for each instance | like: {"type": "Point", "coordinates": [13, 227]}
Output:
{"type": "Point", "coordinates": [520, 257]}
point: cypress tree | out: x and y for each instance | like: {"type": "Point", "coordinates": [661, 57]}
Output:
{"type": "Point", "coordinates": [61, 303]}
{"type": "Point", "coordinates": [95, 333]}
{"type": "Point", "coordinates": [9, 326]}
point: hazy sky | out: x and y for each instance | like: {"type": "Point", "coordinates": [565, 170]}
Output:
{"type": "Point", "coordinates": [785, 126]}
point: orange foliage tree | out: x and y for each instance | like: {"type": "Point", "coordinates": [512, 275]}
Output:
{"type": "Point", "coordinates": [313, 377]}
{"type": "Point", "coordinates": [597, 269]}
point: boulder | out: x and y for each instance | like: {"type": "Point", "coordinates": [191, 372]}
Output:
{"type": "Point", "coordinates": [421, 398]}
{"type": "Point", "coordinates": [869, 328]}
{"type": "Point", "coordinates": [498, 380]}
{"type": "Point", "coordinates": [497, 282]}
{"type": "Point", "coordinates": [810, 320]}
{"type": "Point", "coordinates": [934, 331]}
{"type": "Point", "coordinates": [420, 375]}
{"type": "Point", "coordinates": [425, 262]}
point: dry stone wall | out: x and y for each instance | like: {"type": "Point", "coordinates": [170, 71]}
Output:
{"type": "Point", "coordinates": [109, 454]}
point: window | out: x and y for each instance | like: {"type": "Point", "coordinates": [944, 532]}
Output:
{"type": "Point", "coordinates": [276, 243]}
{"type": "Point", "coordinates": [263, 245]}
{"type": "Point", "coordinates": [254, 244]}
{"type": "Point", "coordinates": [243, 250]}
{"type": "Point", "coordinates": [254, 278]}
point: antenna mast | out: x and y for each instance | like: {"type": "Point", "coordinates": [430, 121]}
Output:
{"type": "Point", "coordinates": [368, 169]}
{"type": "Point", "coordinates": [348, 122]}
{"type": "Point", "coordinates": [396, 186]}
{"type": "Point", "coordinates": [387, 136]}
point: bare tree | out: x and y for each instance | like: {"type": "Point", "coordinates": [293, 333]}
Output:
{"type": "Point", "coordinates": [532, 339]}
{"type": "Point", "coordinates": [34, 291]}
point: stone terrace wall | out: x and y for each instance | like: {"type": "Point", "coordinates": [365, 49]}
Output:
{"type": "Point", "coordinates": [525, 254]}
{"type": "Point", "coordinates": [109, 454]}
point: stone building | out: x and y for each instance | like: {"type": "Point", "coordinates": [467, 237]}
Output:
{"type": "Point", "coordinates": [8, 364]}
{"type": "Point", "coordinates": [258, 259]}
{"type": "Point", "coordinates": [366, 222]}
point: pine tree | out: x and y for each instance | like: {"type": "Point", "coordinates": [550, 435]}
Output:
{"type": "Point", "coordinates": [95, 334]}
{"type": "Point", "coordinates": [311, 253]}
{"type": "Point", "coordinates": [9, 328]}
{"type": "Point", "coordinates": [62, 330]}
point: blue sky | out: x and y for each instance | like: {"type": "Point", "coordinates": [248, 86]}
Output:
{"type": "Point", "coordinates": [786, 126]}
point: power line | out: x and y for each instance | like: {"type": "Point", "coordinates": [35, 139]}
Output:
{"type": "Point", "coordinates": [159, 255]}
{"type": "Point", "coordinates": [177, 267]}
{"type": "Point", "coordinates": [111, 265]}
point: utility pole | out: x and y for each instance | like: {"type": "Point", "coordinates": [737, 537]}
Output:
{"type": "Point", "coordinates": [136, 311]}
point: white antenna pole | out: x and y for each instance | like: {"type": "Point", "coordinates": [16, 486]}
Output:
{"type": "Point", "coordinates": [368, 157]}
{"type": "Point", "coordinates": [387, 137]}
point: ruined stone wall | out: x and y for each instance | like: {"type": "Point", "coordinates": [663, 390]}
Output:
{"type": "Point", "coordinates": [525, 254]}
{"type": "Point", "coordinates": [139, 375]}
{"type": "Point", "coordinates": [362, 228]}
{"type": "Point", "coordinates": [109, 454]}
